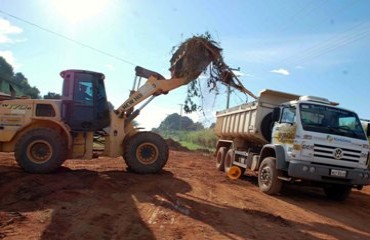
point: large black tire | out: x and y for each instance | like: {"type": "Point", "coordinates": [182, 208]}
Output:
{"type": "Point", "coordinates": [268, 180]}
{"type": "Point", "coordinates": [337, 192]}
{"type": "Point", "coordinates": [220, 158]}
{"type": "Point", "coordinates": [41, 150]}
{"type": "Point", "coordinates": [146, 152]}
{"type": "Point", "coordinates": [266, 127]}
{"type": "Point", "coordinates": [229, 159]}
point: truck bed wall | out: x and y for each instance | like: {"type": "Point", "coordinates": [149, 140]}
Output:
{"type": "Point", "coordinates": [244, 121]}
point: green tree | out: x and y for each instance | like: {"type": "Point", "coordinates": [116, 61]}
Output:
{"type": "Point", "coordinates": [33, 92]}
{"type": "Point", "coordinates": [6, 75]}
{"type": "Point", "coordinates": [196, 126]}
{"type": "Point", "coordinates": [52, 95]}
{"type": "Point", "coordinates": [15, 84]}
{"type": "Point", "coordinates": [176, 122]}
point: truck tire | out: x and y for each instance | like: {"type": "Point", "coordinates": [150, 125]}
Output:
{"type": "Point", "coordinates": [268, 180]}
{"type": "Point", "coordinates": [229, 159]}
{"type": "Point", "coordinates": [220, 158]}
{"type": "Point", "coordinates": [41, 150]}
{"type": "Point", "coordinates": [146, 152]}
{"type": "Point", "coordinates": [337, 192]}
{"type": "Point", "coordinates": [266, 127]}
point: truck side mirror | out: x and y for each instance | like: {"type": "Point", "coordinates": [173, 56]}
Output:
{"type": "Point", "coordinates": [276, 114]}
{"type": "Point", "coordinates": [368, 130]}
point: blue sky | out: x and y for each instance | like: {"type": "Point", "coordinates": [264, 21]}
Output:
{"type": "Point", "coordinates": [307, 47]}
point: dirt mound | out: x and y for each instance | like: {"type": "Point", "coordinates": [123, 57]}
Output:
{"type": "Point", "coordinates": [176, 146]}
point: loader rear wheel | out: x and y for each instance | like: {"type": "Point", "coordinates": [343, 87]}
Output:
{"type": "Point", "coordinates": [41, 150]}
{"type": "Point", "coordinates": [146, 152]}
{"type": "Point", "coordinates": [220, 158]}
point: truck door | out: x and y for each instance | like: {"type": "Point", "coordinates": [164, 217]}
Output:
{"type": "Point", "coordinates": [284, 131]}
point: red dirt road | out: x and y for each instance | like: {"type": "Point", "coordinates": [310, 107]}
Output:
{"type": "Point", "coordinates": [189, 199]}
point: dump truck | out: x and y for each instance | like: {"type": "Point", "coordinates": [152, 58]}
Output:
{"type": "Point", "coordinates": [288, 138]}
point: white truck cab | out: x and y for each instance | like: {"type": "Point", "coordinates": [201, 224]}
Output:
{"type": "Point", "coordinates": [322, 142]}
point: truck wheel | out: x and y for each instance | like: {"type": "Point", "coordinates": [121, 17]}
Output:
{"type": "Point", "coordinates": [220, 158]}
{"type": "Point", "coordinates": [146, 152]}
{"type": "Point", "coordinates": [268, 181]}
{"type": "Point", "coordinates": [337, 192]}
{"type": "Point", "coordinates": [41, 150]}
{"type": "Point", "coordinates": [229, 159]}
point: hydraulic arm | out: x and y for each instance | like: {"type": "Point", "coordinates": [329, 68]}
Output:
{"type": "Point", "coordinates": [155, 85]}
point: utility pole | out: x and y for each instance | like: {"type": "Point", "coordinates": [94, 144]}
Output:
{"type": "Point", "coordinates": [228, 96]}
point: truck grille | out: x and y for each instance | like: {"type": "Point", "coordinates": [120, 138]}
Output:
{"type": "Point", "coordinates": [337, 153]}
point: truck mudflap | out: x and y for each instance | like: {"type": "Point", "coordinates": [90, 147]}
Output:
{"type": "Point", "coordinates": [328, 174]}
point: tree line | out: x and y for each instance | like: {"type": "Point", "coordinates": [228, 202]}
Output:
{"type": "Point", "coordinates": [16, 84]}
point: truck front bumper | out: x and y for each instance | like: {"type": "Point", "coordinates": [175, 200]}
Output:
{"type": "Point", "coordinates": [328, 174]}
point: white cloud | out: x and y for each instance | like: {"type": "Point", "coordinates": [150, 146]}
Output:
{"type": "Point", "coordinates": [9, 57]}
{"type": "Point", "coordinates": [241, 74]}
{"type": "Point", "coordinates": [281, 71]}
{"type": "Point", "coordinates": [6, 29]}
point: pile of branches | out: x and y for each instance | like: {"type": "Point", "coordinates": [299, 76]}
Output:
{"type": "Point", "coordinates": [197, 55]}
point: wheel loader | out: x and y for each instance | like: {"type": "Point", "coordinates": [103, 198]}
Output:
{"type": "Point", "coordinates": [44, 133]}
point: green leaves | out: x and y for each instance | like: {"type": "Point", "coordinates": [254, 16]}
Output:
{"type": "Point", "coordinates": [15, 84]}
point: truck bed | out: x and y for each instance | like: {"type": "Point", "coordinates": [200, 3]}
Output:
{"type": "Point", "coordinates": [251, 121]}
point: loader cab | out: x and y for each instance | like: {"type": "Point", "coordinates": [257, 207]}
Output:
{"type": "Point", "coordinates": [84, 101]}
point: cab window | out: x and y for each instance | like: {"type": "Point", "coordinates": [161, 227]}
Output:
{"type": "Point", "coordinates": [288, 115]}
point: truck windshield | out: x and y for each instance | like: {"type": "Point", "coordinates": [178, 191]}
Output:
{"type": "Point", "coordinates": [330, 120]}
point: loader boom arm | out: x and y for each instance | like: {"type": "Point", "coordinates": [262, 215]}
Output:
{"type": "Point", "coordinates": [154, 86]}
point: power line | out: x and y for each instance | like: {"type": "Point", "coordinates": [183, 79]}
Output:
{"type": "Point", "coordinates": [355, 33]}
{"type": "Point", "coordinates": [330, 44]}
{"type": "Point", "coordinates": [68, 38]}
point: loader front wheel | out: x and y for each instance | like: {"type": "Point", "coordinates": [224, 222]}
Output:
{"type": "Point", "coordinates": [146, 152]}
{"type": "Point", "coordinates": [41, 150]}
